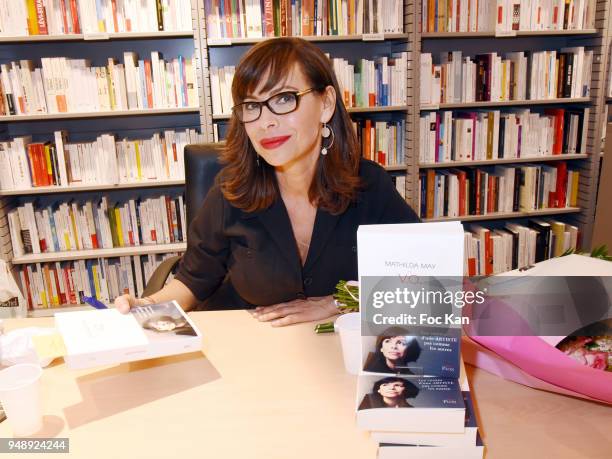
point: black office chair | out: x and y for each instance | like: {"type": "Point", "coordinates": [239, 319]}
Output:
{"type": "Point", "coordinates": [201, 167]}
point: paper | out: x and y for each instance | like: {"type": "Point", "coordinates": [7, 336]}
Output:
{"type": "Point", "coordinates": [49, 346]}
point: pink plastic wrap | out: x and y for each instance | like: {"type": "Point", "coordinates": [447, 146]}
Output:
{"type": "Point", "coordinates": [531, 361]}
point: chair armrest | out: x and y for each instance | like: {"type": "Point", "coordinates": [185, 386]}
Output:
{"type": "Point", "coordinates": [159, 276]}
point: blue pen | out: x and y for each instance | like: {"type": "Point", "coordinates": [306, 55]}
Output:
{"type": "Point", "coordinates": [91, 301]}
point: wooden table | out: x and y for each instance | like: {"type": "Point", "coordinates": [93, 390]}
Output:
{"type": "Point", "coordinates": [265, 392]}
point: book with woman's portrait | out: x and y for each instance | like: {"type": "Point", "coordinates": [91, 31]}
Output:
{"type": "Point", "coordinates": [106, 336]}
{"type": "Point", "coordinates": [409, 403]}
{"type": "Point", "coordinates": [395, 352]}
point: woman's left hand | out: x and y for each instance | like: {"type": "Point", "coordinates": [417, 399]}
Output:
{"type": "Point", "coordinates": [292, 312]}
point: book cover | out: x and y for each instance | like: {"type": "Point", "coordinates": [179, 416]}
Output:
{"type": "Point", "coordinates": [404, 404]}
{"type": "Point", "coordinates": [465, 439]}
{"type": "Point", "coordinates": [106, 336]}
{"type": "Point", "coordinates": [413, 355]}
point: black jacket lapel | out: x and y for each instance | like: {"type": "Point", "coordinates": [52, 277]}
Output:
{"type": "Point", "coordinates": [276, 221]}
{"type": "Point", "coordinates": [323, 228]}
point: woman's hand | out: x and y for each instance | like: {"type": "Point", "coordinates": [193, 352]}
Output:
{"type": "Point", "coordinates": [126, 302]}
{"type": "Point", "coordinates": [293, 312]}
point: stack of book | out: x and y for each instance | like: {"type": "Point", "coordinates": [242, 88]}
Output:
{"type": "Point", "coordinates": [72, 225]}
{"type": "Point", "coordinates": [482, 191]}
{"type": "Point", "coordinates": [50, 285]}
{"type": "Point", "coordinates": [503, 16]}
{"type": "Point", "coordinates": [513, 246]}
{"type": "Point", "coordinates": [373, 83]}
{"type": "Point", "coordinates": [65, 85]}
{"type": "Point", "coordinates": [25, 164]}
{"type": "Point", "coordinates": [534, 75]}
{"type": "Point", "coordinates": [412, 391]}
{"type": "Point", "coordinates": [447, 136]}
{"type": "Point", "coordinates": [382, 141]}
{"type": "Point", "coordinates": [59, 17]}
{"type": "Point", "coordinates": [368, 83]}
{"type": "Point", "coordinates": [282, 18]}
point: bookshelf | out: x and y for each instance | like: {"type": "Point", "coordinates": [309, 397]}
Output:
{"type": "Point", "coordinates": [226, 51]}
{"type": "Point", "coordinates": [95, 36]}
{"type": "Point", "coordinates": [100, 253]}
{"type": "Point", "coordinates": [472, 43]}
{"type": "Point", "coordinates": [139, 123]}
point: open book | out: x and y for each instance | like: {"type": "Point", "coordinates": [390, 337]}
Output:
{"type": "Point", "coordinates": [106, 336]}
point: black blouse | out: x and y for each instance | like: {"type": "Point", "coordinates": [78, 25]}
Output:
{"type": "Point", "coordinates": [236, 259]}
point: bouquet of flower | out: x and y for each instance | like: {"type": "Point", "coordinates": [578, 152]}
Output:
{"type": "Point", "coordinates": [347, 300]}
{"type": "Point", "coordinates": [592, 351]}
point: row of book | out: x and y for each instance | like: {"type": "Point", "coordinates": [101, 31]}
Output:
{"type": "Point", "coordinates": [64, 85]}
{"type": "Point", "coordinates": [282, 18]}
{"type": "Point", "coordinates": [59, 17]}
{"type": "Point", "coordinates": [52, 285]}
{"type": "Point", "coordinates": [382, 141]}
{"type": "Point", "coordinates": [368, 83]}
{"type": "Point", "coordinates": [497, 189]}
{"type": "Point", "coordinates": [506, 16]}
{"type": "Point", "coordinates": [447, 136]}
{"type": "Point", "coordinates": [66, 226]}
{"type": "Point", "coordinates": [512, 246]}
{"type": "Point", "coordinates": [25, 164]}
{"type": "Point", "coordinates": [534, 75]}
{"type": "Point", "coordinates": [373, 83]}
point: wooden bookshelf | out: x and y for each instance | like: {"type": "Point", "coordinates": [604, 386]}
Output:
{"type": "Point", "coordinates": [503, 215]}
{"type": "Point", "coordinates": [100, 253]}
{"type": "Point", "coordinates": [161, 35]}
{"type": "Point", "coordinates": [101, 114]}
{"type": "Point", "coordinates": [484, 162]}
{"type": "Point", "coordinates": [596, 39]}
{"type": "Point", "coordinates": [85, 188]}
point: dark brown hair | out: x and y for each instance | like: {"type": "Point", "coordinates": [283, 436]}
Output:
{"type": "Point", "coordinates": [253, 187]}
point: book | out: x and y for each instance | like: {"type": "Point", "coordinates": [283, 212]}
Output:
{"type": "Point", "coordinates": [106, 336]}
{"type": "Point", "coordinates": [461, 439]}
{"type": "Point", "coordinates": [399, 451]}
{"type": "Point", "coordinates": [404, 404]}
{"type": "Point", "coordinates": [413, 355]}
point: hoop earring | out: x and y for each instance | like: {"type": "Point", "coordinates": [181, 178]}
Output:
{"type": "Point", "coordinates": [327, 132]}
{"type": "Point", "coordinates": [257, 158]}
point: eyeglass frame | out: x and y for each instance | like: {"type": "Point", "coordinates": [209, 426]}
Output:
{"type": "Point", "coordinates": [298, 95]}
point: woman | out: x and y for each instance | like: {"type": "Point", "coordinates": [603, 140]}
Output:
{"type": "Point", "coordinates": [390, 392]}
{"type": "Point", "coordinates": [393, 354]}
{"type": "Point", "coordinates": [278, 230]}
{"type": "Point", "coordinates": [167, 324]}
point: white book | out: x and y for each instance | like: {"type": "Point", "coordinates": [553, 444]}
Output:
{"type": "Point", "coordinates": [105, 337]}
{"type": "Point", "coordinates": [432, 404]}
{"type": "Point", "coordinates": [426, 79]}
{"type": "Point", "coordinates": [399, 451]}
{"type": "Point", "coordinates": [6, 172]}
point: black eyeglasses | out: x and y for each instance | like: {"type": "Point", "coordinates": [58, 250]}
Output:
{"type": "Point", "coordinates": [279, 104]}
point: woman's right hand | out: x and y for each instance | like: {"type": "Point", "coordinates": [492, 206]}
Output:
{"type": "Point", "coordinates": [126, 302]}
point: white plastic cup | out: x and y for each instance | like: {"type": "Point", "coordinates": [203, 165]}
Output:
{"type": "Point", "coordinates": [20, 398]}
{"type": "Point", "coordinates": [349, 328]}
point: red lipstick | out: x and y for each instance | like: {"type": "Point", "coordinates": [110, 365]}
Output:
{"type": "Point", "coordinates": [270, 143]}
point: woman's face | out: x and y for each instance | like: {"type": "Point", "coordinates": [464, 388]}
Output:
{"type": "Point", "coordinates": [163, 325]}
{"type": "Point", "coordinates": [394, 347]}
{"type": "Point", "coordinates": [285, 140]}
{"type": "Point", "coordinates": [392, 389]}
